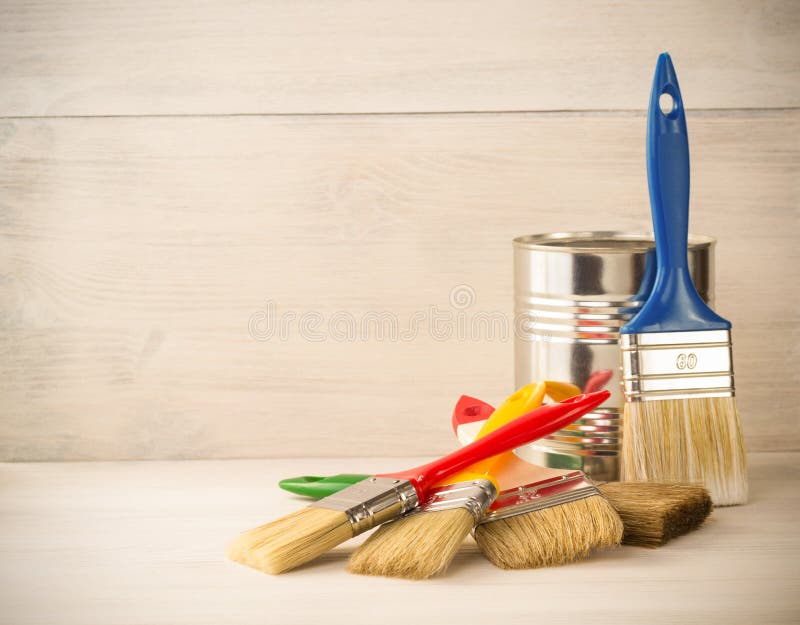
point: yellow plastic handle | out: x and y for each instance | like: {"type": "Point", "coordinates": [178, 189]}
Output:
{"type": "Point", "coordinates": [559, 391]}
{"type": "Point", "coordinates": [528, 398]}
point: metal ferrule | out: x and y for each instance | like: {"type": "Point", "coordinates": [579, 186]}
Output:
{"type": "Point", "coordinates": [676, 365]}
{"type": "Point", "coordinates": [539, 495]}
{"type": "Point", "coordinates": [475, 496]}
{"type": "Point", "coordinates": [372, 501]}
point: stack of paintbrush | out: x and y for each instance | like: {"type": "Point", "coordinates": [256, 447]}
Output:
{"type": "Point", "coordinates": [304, 535]}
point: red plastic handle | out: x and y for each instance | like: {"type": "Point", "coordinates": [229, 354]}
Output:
{"type": "Point", "coordinates": [469, 409]}
{"type": "Point", "coordinates": [529, 427]}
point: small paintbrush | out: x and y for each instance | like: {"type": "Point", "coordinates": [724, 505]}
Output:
{"type": "Point", "coordinates": [304, 535]}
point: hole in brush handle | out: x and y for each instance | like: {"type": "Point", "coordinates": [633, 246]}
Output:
{"type": "Point", "coordinates": [666, 103]}
{"type": "Point", "coordinates": [669, 102]}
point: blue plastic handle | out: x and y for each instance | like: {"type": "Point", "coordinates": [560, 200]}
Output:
{"type": "Point", "coordinates": [674, 304]}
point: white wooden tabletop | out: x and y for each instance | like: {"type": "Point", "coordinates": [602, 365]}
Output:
{"type": "Point", "coordinates": [143, 542]}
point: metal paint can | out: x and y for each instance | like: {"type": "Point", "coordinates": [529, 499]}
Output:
{"type": "Point", "coordinates": [572, 293]}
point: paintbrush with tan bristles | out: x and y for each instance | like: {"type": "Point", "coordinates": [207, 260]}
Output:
{"type": "Point", "coordinates": [304, 535]}
{"type": "Point", "coordinates": [552, 521]}
{"type": "Point", "coordinates": [424, 543]}
{"type": "Point", "coordinates": [680, 421]}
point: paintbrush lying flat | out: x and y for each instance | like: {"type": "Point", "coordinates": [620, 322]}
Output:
{"type": "Point", "coordinates": [304, 535]}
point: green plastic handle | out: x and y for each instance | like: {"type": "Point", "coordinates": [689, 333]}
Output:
{"type": "Point", "coordinates": [318, 487]}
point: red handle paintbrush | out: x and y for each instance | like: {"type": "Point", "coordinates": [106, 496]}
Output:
{"type": "Point", "coordinates": [308, 533]}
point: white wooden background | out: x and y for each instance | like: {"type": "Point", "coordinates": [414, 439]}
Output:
{"type": "Point", "coordinates": [168, 168]}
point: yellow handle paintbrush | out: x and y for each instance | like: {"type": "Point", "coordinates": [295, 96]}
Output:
{"type": "Point", "coordinates": [525, 399]}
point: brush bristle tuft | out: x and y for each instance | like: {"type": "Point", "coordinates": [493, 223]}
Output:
{"type": "Point", "coordinates": [292, 540]}
{"type": "Point", "coordinates": [552, 536]}
{"type": "Point", "coordinates": [687, 441]}
{"type": "Point", "coordinates": [654, 513]}
{"type": "Point", "coordinates": [418, 546]}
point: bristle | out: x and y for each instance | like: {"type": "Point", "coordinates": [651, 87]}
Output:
{"type": "Point", "coordinates": [418, 546]}
{"type": "Point", "coordinates": [292, 540]}
{"type": "Point", "coordinates": [654, 512]}
{"type": "Point", "coordinates": [686, 440]}
{"type": "Point", "coordinates": [551, 536]}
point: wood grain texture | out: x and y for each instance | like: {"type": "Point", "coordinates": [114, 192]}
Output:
{"type": "Point", "coordinates": [138, 256]}
{"type": "Point", "coordinates": [169, 57]}
{"type": "Point", "coordinates": [143, 544]}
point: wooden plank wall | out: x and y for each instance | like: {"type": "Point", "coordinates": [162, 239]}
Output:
{"type": "Point", "coordinates": [170, 172]}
